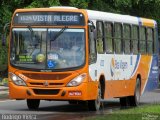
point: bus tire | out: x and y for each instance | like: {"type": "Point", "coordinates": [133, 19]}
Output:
{"type": "Point", "coordinates": [94, 105]}
{"type": "Point", "coordinates": [135, 99]}
{"type": "Point", "coordinates": [33, 104]}
{"type": "Point", "coordinates": [124, 102]}
{"type": "Point", "coordinates": [73, 102]}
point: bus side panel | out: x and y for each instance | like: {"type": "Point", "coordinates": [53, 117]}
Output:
{"type": "Point", "coordinates": [152, 80]}
{"type": "Point", "coordinates": [147, 68]}
{"type": "Point", "coordinates": [148, 71]}
{"type": "Point", "coordinates": [143, 70]}
{"type": "Point", "coordinates": [121, 72]}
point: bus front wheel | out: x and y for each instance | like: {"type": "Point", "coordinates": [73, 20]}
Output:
{"type": "Point", "coordinates": [33, 104]}
{"type": "Point", "coordinates": [73, 102]}
{"type": "Point", "coordinates": [94, 105]}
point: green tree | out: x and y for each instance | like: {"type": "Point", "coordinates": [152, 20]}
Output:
{"type": "Point", "coordinates": [44, 3]}
{"type": "Point", "coordinates": [79, 3]}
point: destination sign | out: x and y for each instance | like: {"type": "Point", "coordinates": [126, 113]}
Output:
{"type": "Point", "coordinates": [48, 18]}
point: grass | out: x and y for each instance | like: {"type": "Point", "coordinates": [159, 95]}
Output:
{"type": "Point", "coordinates": [146, 112]}
{"type": "Point", "coordinates": [153, 108]}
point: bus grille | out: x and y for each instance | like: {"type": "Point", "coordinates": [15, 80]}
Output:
{"type": "Point", "coordinates": [46, 91]}
{"type": "Point", "coordinates": [37, 76]}
{"type": "Point", "coordinates": [42, 84]}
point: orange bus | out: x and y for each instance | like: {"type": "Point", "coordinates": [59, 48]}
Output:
{"type": "Point", "coordinates": [70, 54]}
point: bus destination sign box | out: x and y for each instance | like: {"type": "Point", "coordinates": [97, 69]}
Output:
{"type": "Point", "coordinates": [48, 18]}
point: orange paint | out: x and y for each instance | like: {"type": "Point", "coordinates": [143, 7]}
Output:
{"type": "Point", "coordinates": [148, 22]}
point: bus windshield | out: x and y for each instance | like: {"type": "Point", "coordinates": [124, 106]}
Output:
{"type": "Point", "coordinates": [52, 48]}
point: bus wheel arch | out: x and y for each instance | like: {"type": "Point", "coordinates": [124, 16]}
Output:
{"type": "Point", "coordinates": [102, 84]}
{"type": "Point", "coordinates": [140, 80]}
{"type": "Point", "coordinates": [140, 85]}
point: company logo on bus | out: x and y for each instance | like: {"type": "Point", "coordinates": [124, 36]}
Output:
{"type": "Point", "coordinates": [112, 67]}
{"type": "Point", "coordinates": [118, 65]}
{"type": "Point", "coordinates": [46, 84]}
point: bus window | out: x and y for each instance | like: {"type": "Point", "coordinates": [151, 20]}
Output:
{"type": "Point", "coordinates": [142, 42]}
{"type": "Point", "coordinates": [155, 41]}
{"type": "Point", "coordinates": [118, 37]}
{"type": "Point", "coordinates": [108, 28]}
{"type": "Point", "coordinates": [92, 47]}
{"type": "Point", "coordinates": [134, 39]}
{"type": "Point", "coordinates": [32, 52]}
{"type": "Point", "coordinates": [69, 48]}
{"type": "Point", "coordinates": [149, 40]}
{"type": "Point", "coordinates": [100, 38]}
{"type": "Point", "coordinates": [127, 38]}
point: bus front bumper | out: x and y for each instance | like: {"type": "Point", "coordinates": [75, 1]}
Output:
{"type": "Point", "coordinates": [80, 92]}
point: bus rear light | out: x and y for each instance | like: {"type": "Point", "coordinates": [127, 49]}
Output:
{"type": "Point", "coordinates": [17, 80]}
{"type": "Point", "coordinates": [75, 93]}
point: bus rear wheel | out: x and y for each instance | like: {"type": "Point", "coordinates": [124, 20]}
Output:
{"type": "Point", "coordinates": [94, 105]}
{"type": "Point", "coordinates": [135, 99]}
{"type": "Point", "coordinates": [33, 104]}
{"type": "Point", "coordinates": [124, 102]}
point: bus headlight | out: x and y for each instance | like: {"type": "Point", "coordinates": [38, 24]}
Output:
{"type": "Point", "coordinates": [17, 80]}
{"type": "Point", "coordinates": [77, 81]}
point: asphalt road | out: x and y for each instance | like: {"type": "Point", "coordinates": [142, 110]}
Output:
{"type": "Point", "coordinates": [61, 110]}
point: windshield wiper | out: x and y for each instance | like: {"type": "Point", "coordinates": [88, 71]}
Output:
{"type": "Point", "coordinates": [32, 32]}
{"type": "Point", "coordinates": [59, 33]}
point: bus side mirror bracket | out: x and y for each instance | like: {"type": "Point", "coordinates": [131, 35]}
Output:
{"type": "Point", "coordinates": [91, 25]}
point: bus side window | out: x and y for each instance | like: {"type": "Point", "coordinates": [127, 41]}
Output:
{"type": "Point", "coordinates": [155, 43]}
{"type": "Point", "coordinates": [150, 41]}
{"type": "Point", "coordinates": [127, 38]}
{"type": "Point", "coordinates": [108, 28]}
{"type": "Point", "coordinates": [134, 36]}
{"type": "Point", "coordinates": [100, 37]}
{"type": "Point", "coordinates": [118, 37]}
{"type": "Point", "coordinates": [92, 46]}
{"type": "Point", "coordinates": [142, 39]}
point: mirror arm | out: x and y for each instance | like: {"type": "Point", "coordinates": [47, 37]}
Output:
{"type": "Point", "coordinates": [7, 25]}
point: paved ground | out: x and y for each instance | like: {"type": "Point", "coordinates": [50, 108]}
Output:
{"type": "Point", "coordinates": [152, 97]}
{"type": "Point", "coordinates": [57, 110]}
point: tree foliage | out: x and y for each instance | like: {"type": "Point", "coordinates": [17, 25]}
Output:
{"type": "Point", "coordinates": [141, 8]}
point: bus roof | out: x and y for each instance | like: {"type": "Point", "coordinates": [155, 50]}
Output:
{"type": "Point", "coordinates": [112, 17]}
{"type": "Point", "coordinates": [99, 15]}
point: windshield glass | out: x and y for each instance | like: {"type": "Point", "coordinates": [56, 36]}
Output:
{"type": "Point", "coordinates": [36, 48]}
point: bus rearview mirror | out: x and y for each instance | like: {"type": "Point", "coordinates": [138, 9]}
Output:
{"type": "Point", "coordinates": [92, 26]}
